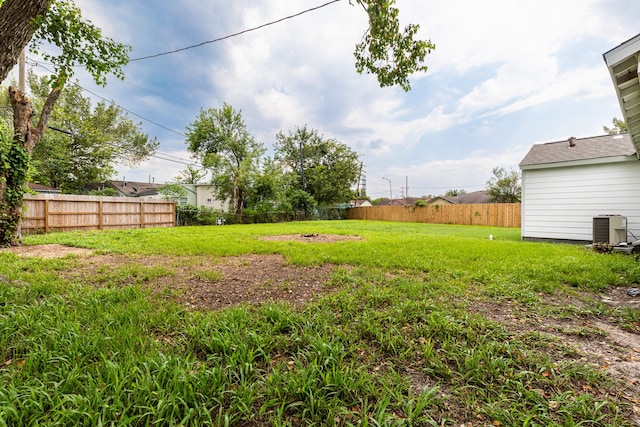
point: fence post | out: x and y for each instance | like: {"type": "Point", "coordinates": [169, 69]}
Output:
{"type": "Point", "coordinates": [46, 215]}
{"type": "Point", "coordinates": [141, 214]}
{"type": "Point", "coordinates": [100, 216]}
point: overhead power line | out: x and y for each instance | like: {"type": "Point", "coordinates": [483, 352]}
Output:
{"type": "Point", "coordinates": [234, 34]}
{"type": "Point", "coordinates": [158, 155]}
{"type": "Point", "coordinates": [131, 112]}
{"type": "Point", "coordinates": [111, 102]}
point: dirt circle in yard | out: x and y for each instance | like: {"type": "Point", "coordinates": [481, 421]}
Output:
{"type": "Point", "coordinates": [201, 282]}
{"type": "Point", "coordinates": [204, 282]}
{"type": "Point", "coordinates": [312, 237]}
{"type": "Point", "coordinates": [47, 251]}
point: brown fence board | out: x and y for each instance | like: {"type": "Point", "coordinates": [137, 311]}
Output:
{"type": "Point", "coordinates": [489, 214]}
{"type": "Point", "coordinates": [56, 212]}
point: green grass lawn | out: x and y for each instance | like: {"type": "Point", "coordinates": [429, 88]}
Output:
{"type": "Point", "coordinates": [423, 325]}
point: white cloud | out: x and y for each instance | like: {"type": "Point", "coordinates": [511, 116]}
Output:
{"type": "Point", "coordinates": [580, 83]}
{"type": "Point", "coordinates": [470, 34]}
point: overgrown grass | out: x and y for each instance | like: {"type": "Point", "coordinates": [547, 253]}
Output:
{"type": "Point", "coordinates": [400, 342]}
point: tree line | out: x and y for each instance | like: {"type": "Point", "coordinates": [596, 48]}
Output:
{"type": "Point", "coordinates": [306, 169]}
{"type": "Point", "coordinates": [85, 143]}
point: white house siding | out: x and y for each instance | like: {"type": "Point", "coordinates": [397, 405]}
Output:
{"type": "Point", "coordinates": [559, 203]}
{"type": "Point", "coordinates": [204, 195]}
{"type": "Point", "coordinates": [207, 197]}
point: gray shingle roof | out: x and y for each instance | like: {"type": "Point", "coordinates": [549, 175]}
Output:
{"type": "Point", "coordinates": [136, 189]}
{"type": "Point", "coordinates": [585, 148]}
{"type": "Point", "coordinates": [475, 197]}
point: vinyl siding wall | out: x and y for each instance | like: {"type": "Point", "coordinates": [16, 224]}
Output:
{"type": "Point", "coordinates": [207, 197]}
{"type": "Point", "coordinates": [559, 203]}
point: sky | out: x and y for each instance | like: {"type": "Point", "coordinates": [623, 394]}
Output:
{"type": "Point", "coordinates": [504, 75]}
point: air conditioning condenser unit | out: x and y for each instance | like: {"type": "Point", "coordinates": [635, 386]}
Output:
{"type": "Point", "coordinates": [611, 229]}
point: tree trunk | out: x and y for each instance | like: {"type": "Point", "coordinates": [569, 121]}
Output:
{"type": "Point", "coordinates": [16, 29]}
{"type": "Point", "coordinates": [12, 178]}
{"type": "Point", "coordinates": [239, 206]}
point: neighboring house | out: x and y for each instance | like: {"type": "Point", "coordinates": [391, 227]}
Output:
{"type": "Point", "coordinates": [441, 200]}
{"type": "Point", "coordinates": [124, 188]}
{"type": "Point", "coordinates": [474, 197]}
{"type": "Point", "coordinates": [43, 189]}
{"type": "Point", "coordinates": [128, 188]}
{"type": "Point", "coordinates": [406, 201]}
{"type": "Point", "coordinates": [200, 195]}
{"type": "Point", "coordinates": [359, 204]}
{"type": "Point", "coordinates": [204, 195]}
{"type": "Point", "coordinates": [411, 201]}
{"type": "Point", "coordinates": [565, 184]}
{"type": "Point", "coordinates": [386, 202]}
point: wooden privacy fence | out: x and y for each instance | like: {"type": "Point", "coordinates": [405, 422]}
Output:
{"type": "Point", "coordinates": [492, 214]}
{"type": "Point", "coordinates": [56, 212]}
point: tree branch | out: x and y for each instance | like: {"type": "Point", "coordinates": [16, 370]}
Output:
{"type": "Point", "coordinates": [47, 109]}
{"type": "Point", "coordinates": [23, 113]}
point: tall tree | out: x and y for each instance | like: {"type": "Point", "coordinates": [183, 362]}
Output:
{"type": "Point", "coordinates": [79, 42]}
{"type": "Point", "coordinates": [619, 126]}
{"type": "Point", "coordinates": [268, 186]}
{"type": "Point", "coordinates": [220, 140]}
{"type": "Point", "coordinates": [503, 186]}
{"type": "Point", "coordinates": [325, 168]}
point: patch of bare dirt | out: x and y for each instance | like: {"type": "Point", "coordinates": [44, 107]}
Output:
{"type": "Point", "coordinates": [210, 283]}
{"type": "Point", "coordinates": [47, 251]}
{"type": "Point", "coordinates": [618, 297]}
{"type": "Point", "coordinates": [312, 238]}
{"type": "Point", "coordinates": [202, 282]}
{"type": "Point", "coordinates": [596, 341]}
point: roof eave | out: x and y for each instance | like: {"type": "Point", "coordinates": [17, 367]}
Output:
{"type": "Point", "coordinates": [623, 64]}
{"type": "Point", "coordinates": [583, 162]}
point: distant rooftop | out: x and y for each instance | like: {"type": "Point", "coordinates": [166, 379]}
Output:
{"type": "Point", "coordinates": [136, 189]}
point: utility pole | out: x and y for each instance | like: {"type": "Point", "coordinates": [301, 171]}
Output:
{"type": "Point", "coordinates": [304, 182]}
{"type": "Point", "coordinates": [22, 87]}
{"type": "Point", "coordinates": [406, 187]}
{"type": "Point", "coordinates": [390, 189]}
{"type": "Point", "coordinates": [359, 181]}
